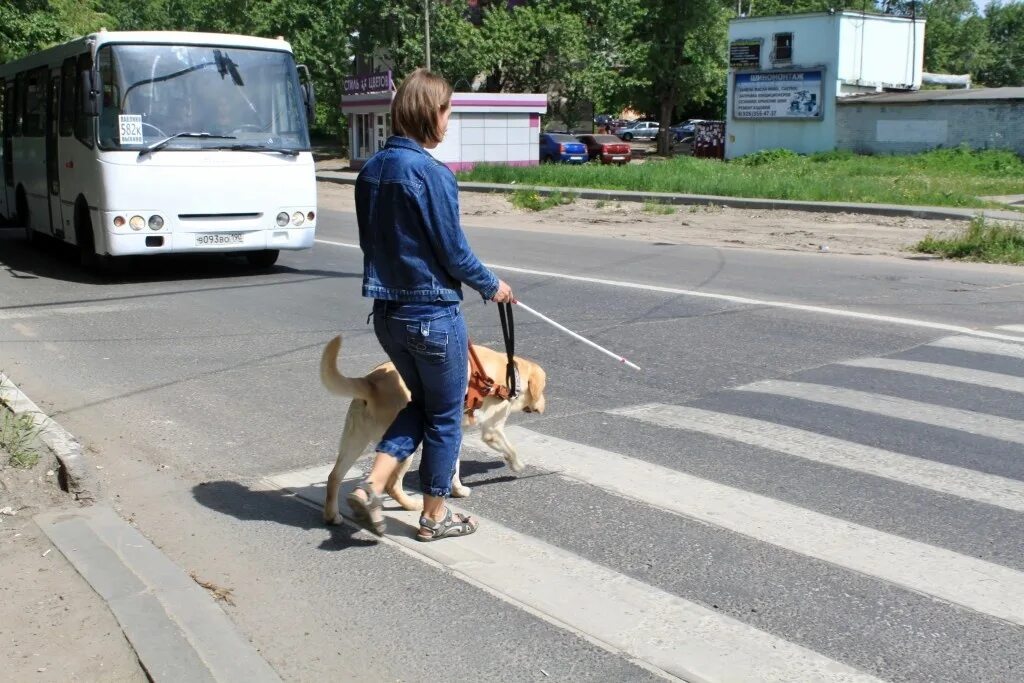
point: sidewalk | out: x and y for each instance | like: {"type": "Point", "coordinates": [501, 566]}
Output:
{"type": "Point", "coordinates": [928, 212]}
{"type": "Point", "coordinates": [84, 596]}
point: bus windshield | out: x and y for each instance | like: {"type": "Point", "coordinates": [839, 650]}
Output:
{"type": "Point", "coordinates": [209, 97]}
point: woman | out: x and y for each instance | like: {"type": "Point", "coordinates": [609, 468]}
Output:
{"type": "Point", "coordinates": [415, 259]}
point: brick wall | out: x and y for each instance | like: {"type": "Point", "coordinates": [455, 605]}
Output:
{"type": "Point", "coordinates": [908, 128]}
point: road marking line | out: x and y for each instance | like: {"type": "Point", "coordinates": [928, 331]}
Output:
{"type": "Point", "coordinates": [936, 476]}
{"type": "Point", "coordinates": [968, 421]}
{"type": "Point", "coordinates": [1012, 328]}
{"type": "Point", "coordinates": [993, 380]}
{"type": "Point", "coordinates": [976, 584]}
{"type": "Point", "coordinates": [996, 348]}
{"type": "Point", "coordinates": [668, 635]}
{"type": "Point", "coordinates": [806, 308]}
{"type": "Point", "coordinates": [46, 312]}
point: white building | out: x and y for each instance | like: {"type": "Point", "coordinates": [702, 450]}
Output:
{"type": "Point", "coordinates": [491, 128]}
{"type": "Point", "coordinates": [787, 72]}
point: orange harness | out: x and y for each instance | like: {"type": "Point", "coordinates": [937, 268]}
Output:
{"type": "Point", "coordinates": [481, 386]}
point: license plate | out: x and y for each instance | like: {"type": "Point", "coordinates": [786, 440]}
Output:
{"type": "Point", "coordinates": [618, 158]}
{"type": "Point", "coordinates": [576, 158]}
{"type": "Point", "coordinates": [226, 238]}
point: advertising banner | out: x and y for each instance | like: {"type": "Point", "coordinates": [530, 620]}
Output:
{"type": "Point", "coordinates": [778, 95]}
{"type": "Point", "coordinates": [362, 84]}
{"type": "Point", "coordinates": [745, 54]}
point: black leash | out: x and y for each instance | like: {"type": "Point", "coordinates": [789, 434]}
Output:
{"type": "Point", "coordinates": [509, 333]}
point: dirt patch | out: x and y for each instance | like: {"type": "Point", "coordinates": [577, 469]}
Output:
{"type": "Point", "coordinates": [53, 626]}
{"type": "Point", "coordinates": [841, 233]}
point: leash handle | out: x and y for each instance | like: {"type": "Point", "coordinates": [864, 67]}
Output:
{"type": "Point", "coordinates": [508, 332]}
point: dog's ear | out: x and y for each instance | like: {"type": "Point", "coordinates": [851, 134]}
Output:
{"type": "Point", "coordinates": [535, 387]}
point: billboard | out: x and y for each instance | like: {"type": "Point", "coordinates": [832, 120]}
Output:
{"type": "Point", "coordinates": [778, 95]}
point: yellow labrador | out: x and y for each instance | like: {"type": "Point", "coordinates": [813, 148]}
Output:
{"type": "Point", "coordinates": [378, 396]}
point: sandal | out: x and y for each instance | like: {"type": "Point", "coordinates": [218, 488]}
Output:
{"type": "Point", "coordinates": [452, 525]}
{"type": "Point", "coordinates": [368, 513]}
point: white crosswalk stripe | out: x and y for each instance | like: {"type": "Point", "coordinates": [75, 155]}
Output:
{"type": "Point", "coordinates": [990, 346]}
{"type": "Point", "coordinates": [988, 588]}
{"type": "Point", "coordinates": [993, 380]}
{"type": "Point", "coordinates": [50, 311]}
{"type": "Point", "coordinates": [926, 413]}
{"type": "Point", "coordinates": [670, 635]}
{"type": "Point", "coordinates": [936, 476]}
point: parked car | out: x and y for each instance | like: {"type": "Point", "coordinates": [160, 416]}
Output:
{"type": "Point", "coordinates": [684, 129]}
{"type": "Point", "coordinates": [561, 147]}
{"type": "Point", "coordinates": [639, 130]}
{"type": "Point", "coordinates": [608, 148]}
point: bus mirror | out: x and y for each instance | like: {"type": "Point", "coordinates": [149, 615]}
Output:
{"type": "Point", "coordinates": [308, 95]}
{"type": "Point", "coordinates": [310, 99]}
{"type": "Point", "coordinates": [87, 91]}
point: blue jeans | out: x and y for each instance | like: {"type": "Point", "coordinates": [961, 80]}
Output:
{"type": "Point", "coordinates": [428, 344]}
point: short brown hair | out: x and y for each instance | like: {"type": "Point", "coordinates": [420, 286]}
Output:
{"type": "Point", "coordinates": [417, 106]}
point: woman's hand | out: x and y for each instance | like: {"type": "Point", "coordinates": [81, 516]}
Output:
{"type": "Point", "coordinates": [504, 294]}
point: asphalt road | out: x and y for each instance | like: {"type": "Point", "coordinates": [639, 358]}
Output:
{"type": "Point", "coordinates": [816, 476]}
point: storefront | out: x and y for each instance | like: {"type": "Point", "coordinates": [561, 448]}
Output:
{"type": "Point", "coordinates": [492, 128]}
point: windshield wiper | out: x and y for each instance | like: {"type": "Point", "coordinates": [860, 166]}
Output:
{"type": "Point", "coordinates": [166, 141]}
{"type": "Point", "coordinates": [260, 148]}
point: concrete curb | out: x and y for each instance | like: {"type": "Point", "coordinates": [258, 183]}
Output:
{"type": "Point", "coordinates": [176, 629]}
{"type": "Point", "coordinates": [77, 477]}
{"type": "Point", "coordinates": [929, 212]}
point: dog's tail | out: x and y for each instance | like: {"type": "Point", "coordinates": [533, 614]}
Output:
{"type": "Point", "coordinates": [337, 383]}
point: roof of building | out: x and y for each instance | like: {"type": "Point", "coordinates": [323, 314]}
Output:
{"type": "Point", "coordinates": [847, 12]}
{"type": "Point", "coordinates": [958, 95]}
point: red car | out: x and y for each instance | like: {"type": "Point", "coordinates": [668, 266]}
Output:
{"type": "Point", "coordinates": [608, 148]}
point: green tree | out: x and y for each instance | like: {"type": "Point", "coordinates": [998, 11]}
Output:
{"type": "Point", "coordinates": [1005, 23]}
{"type": "Point", "coordinates": [684, 58]}
{"type": "Point", "coordinates": [956, 37]}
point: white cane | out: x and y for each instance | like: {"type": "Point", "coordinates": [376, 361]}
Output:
{"type": "Point", "coordinates": [576, 336]}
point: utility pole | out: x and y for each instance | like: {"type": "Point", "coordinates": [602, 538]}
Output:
{"type": "Point", "coordinates": [426, 21]}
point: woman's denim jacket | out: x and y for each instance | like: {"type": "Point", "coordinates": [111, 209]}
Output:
{"type": "Point", "coordinates": [407, 206]}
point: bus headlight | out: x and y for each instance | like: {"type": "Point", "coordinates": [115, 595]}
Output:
{"type": "Point", "coordinates": [118, 221]}
{"type": "Point", "coordinates": [297, 218]}
{"type": "Point", "coordinates": [156, 222]}
{"type": "Point", "coordinates": [282, 219]}
{"type": "Point", "coordinates": [310, 216]}
{"type": "Point", "coordinates": [137, 222]}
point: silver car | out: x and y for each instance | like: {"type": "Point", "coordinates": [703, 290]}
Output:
{"type": "Point", "coordinates": [639, 130]}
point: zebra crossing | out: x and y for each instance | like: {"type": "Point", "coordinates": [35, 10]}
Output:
{"type": "Point", "coordinates": [735, 545]}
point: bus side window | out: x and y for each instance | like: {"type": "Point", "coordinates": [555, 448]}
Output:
{"type": "Point", "coordinates": [83, 123]}
{"type": "Point", "coordinates": [18, 104]}
{"type": "Point", "coordinates": [68, 95]}
{"type": "Point", "coordinates": [34, 104]}
{"type": "Point", "coordinates": [3, 108]}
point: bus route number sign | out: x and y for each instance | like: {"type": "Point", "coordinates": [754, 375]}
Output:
{"type": "Point", "coordinates": [130, 129]}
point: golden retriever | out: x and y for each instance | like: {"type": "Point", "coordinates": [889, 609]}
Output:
{"type": "Point", "coordinates": [378, 396]}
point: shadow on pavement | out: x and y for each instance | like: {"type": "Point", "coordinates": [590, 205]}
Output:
{"type": "Point", "coordinates": [279, 506]}
{"type": "Point", "coordinates": [50, 259]}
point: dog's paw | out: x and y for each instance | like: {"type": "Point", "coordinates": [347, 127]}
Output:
{"type": "Point", "coordinates": [515, 465]}
{"type": "Point", "coordinates": [461, 491]}
{"type": "Point", "coordinates": [332, 518]}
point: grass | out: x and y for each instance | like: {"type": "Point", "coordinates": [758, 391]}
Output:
{"type": "Point", "coordinates": [17, 437]}
{"type": "Point", "coordinates": [948, 177]}
{"type": "Point", "coordinates": [980, 241]}
{"type": "Point", "coordinates": [659, 208]}
{"type": "Point", "coordinates": [534, 201]}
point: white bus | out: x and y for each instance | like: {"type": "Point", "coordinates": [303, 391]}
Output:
{"type": "Point", "coordinates": [155, 142]}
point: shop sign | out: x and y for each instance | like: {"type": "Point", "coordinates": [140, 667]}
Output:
{"type": "Point", "coordinates": [745, 54]}
{"type": "Point", "coordinates": [777, 95]}
{"type": "Point", "coordinates": [362, 84]}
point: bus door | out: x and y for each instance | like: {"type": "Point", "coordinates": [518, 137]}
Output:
{"type": "Point", "coordinates": [56, 224]}
{"type": "Point", "coordinates": [8, 175]}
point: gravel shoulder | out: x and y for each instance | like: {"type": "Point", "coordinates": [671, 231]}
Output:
{"type": "Point", "coordinates": [840, 233]}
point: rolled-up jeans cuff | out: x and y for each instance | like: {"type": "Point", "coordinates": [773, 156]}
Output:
{"type": "Point", "coordinates": [437, 492]}
{"type": "Point", "coordinates": [398, 448]}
